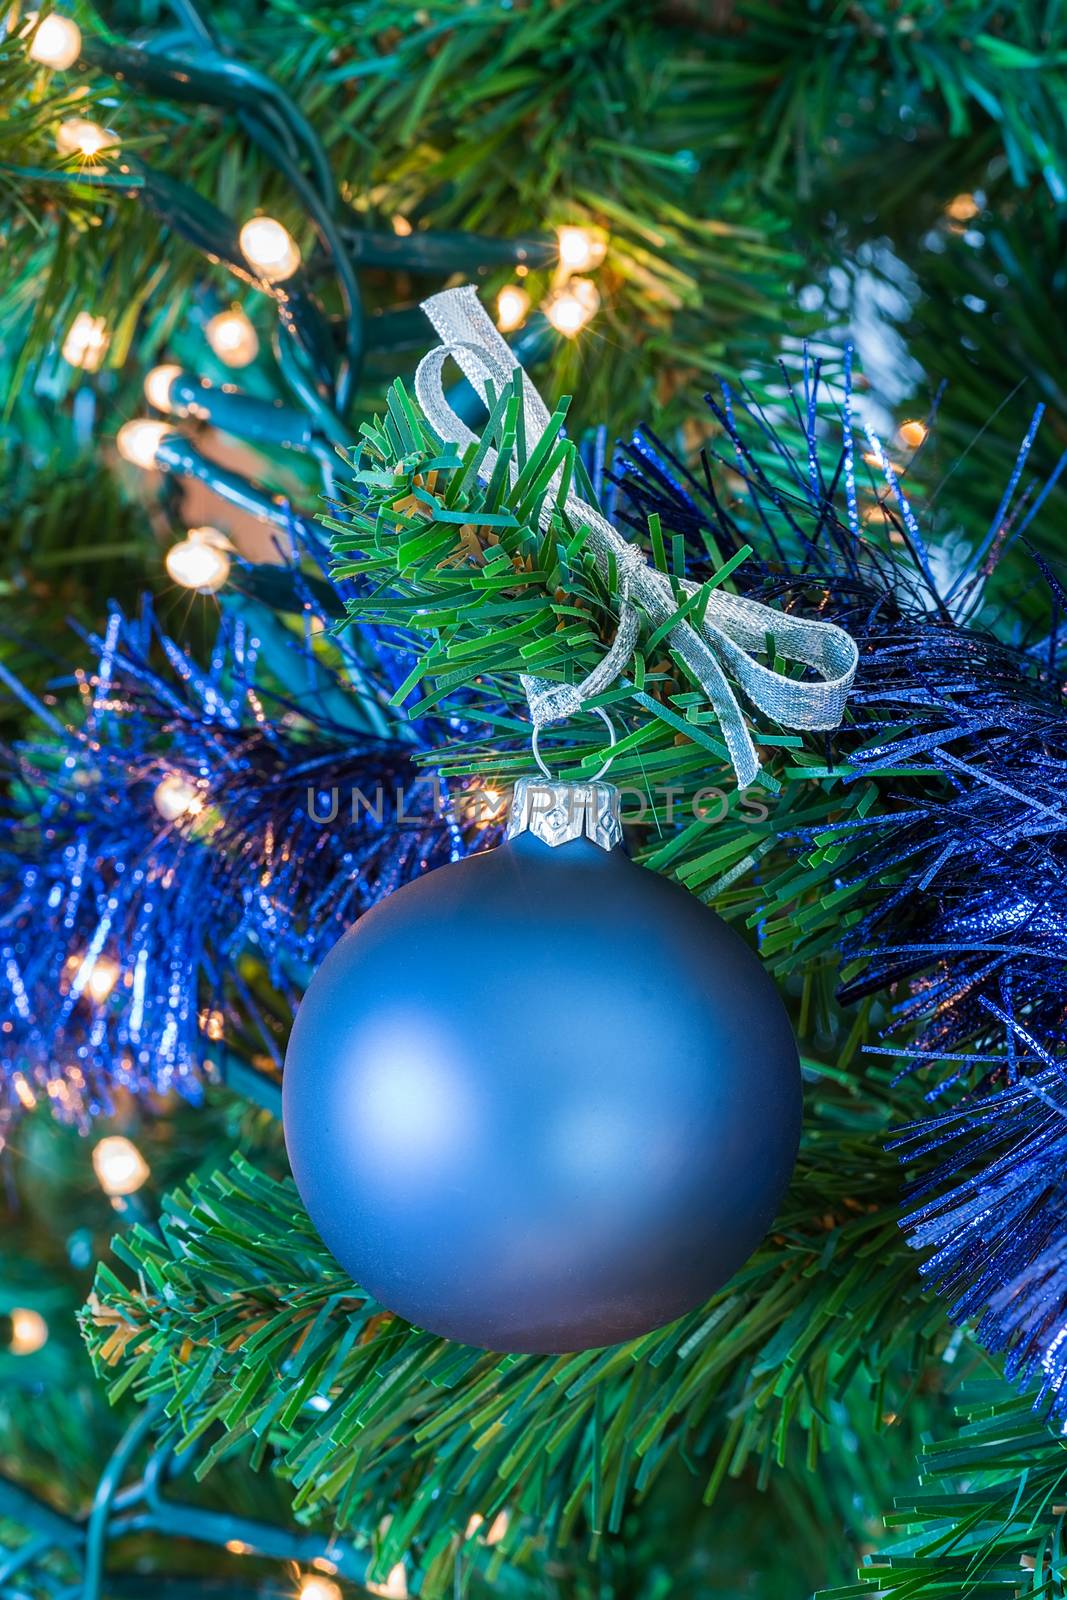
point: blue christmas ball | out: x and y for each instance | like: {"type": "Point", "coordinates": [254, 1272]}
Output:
{"type": "Point", "coordinates": [542, 1099]}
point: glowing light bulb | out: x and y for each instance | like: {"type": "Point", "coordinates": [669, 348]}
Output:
{"type": "Point", "coordinates": [312, 1587]}
{"type": "Point", "coordinates": [395, 1586]}
{"type": "Point", "coordinates": [86, 342]}
{"type": "Point", "coordinates": [29, 1331]}
{"type": "Point", "coordinates": [269, 248]}
{"type": "Point", "coordinates": [402, 227]}
{"type": "Point", "coordinates": [101, 979]}
{"type": "Point", "coordinates": [77, 136]}
{"type": "Point", "coordinates": [119, 1166]}
{"type": "Point", "coordinates": [213, 1023]}
{"type": "Point", "coordinates": [913, 434]}
{"type": "Point", "coordinates": [232, 337]}
{"type": "Point", "coordinates": [512, 307]}
{"type": "Point", "coordinates": [57, 43]}
{"type": "Point", "coordinates": [571, 308]}
{"type": "Point", "coordinates": [200, 561]}
{"type": "Point", "coordinates": [962, 208]}
{"type": "Point", "coordinates": [157, 385]}
{"type": "Point", "coordinates": [139, 441]}
{"type": "Point", "coordinates": [174, 796]}
{"type": "Point", "coordinates": [498, 1528]}
{"type": "Point", "coordinates": [579, 250]}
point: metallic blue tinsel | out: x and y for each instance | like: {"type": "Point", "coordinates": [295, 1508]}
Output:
{"type": "Point", "coordinates": [963, 867]}
{"type": "Point", "coordinates": [94, 874]}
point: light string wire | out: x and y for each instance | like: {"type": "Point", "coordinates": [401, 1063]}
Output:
{"type": "Point", "coordinates": [321, 380]}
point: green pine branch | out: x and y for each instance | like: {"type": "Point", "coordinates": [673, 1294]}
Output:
{"type": "Point", "coordinates": [236, 1316]}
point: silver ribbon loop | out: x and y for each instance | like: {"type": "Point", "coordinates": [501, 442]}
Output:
{"type": "Point", "coordinates": [731, 627]}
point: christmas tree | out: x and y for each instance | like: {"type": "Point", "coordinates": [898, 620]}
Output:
{"type": "Point", "coordinates": [289, 601]}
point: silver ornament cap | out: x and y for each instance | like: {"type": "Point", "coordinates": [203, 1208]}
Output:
{"type": "Point", "coordinates": [557, 812]}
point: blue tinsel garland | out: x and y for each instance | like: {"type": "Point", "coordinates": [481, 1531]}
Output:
{"type": "Point", "coordinates": [964, 865]}
{"type": "Point", "coordinates": [100, 885]}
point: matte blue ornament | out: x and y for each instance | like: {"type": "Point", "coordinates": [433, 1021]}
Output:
{"type": "Point", "coordinates": [542, 1099]}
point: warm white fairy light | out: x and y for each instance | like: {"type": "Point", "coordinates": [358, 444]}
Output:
{"type": "Point", "coordinates": [200, 560]}
{"type": "Point", "coordinates": [512, 308]}
{"type": "Point", "coordinates": [157, 385]}
{"type": "Point", "coordinates": [962, 208]}
{"type": "Point", "coordinates": [101, 978]}
{"type": "Point", "coordinates": [571, 308]}
{"type": "Point", "coordinates": [138, 441]}
{"type": "Point", "coordinates": [314, 1587]}
{"type": "Point", "coordinates": [579, 250]}
{"type": "Point", "coordinates": [78, 136]}
{"type": "Point", "coordinates": [913, 434]}
{"type": "Point", "coordinates": [395, 1586]}
{"type": "Point", "coordinates": [269, 248]}
{"type": "Point", "coordinates": [86, 342]}
{"type": "Point", "coordinates": [175, 796]}
{"type": "Point", "coordinates": [29, 1331]}
{"type": "Point", "coordinates": [496, 1530]}
{"type": "Point", "coordinates": [119, 1166]}
{"type": "Point", "coordinates": [232, 337]}
{"type": "Point", "coordinates": [57, 43]}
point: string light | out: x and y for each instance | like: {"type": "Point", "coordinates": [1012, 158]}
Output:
{"type": "Point", "coordinates": [86, 342]}
{"type": "Point", "coordinates": [102, 978]}
{"type": "Point", "coordinates": [29, 1331]}
{"type": "Point", "coordinates": [269, 248]}
{"type": "Point", "coordinates": [402, 227]}
{"type": "Point", "coordinates": [176, 795]}
{"type": "Point", "coordinates": [138, 441]}
{"type": "Point", "coordinates": [512, 307]}
{"type": "Point", "coordinates": [157, 385]}
{"type": "Point", "coordinates": [27, 1098]}
{"type": "Point", "coordinates": [211, 1023]}
{"type": "Point", "coordinates": [572, 307]}
{"type": "Point", "coordinates": [913, 434]}
{"type": "Point", "coordinates": [579, 250]}
{"type": "Point", "coordinates": [200, 561]}
{"type": "Point", "coordinates": [77, 136]}
{"type": "Point", "coordinates": [119, 1166]}
{"type": "Point", "coordinates": [57, 42]}
{"type": "Point", "coordinates": [232, 337]}
{"type": "Point", "coordinates": [963, 208]}
{"type": "Point", "coordinates": [395, 1586]}
{"type": "Point", "coordinates": [313, 1587]}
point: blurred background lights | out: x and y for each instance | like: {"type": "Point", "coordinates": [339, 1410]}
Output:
{"type": "Point", "coordinates": [269, 248]}
{"type": "Point", "coordinates": [157, 385]}
{"type": "Point", "coordinates": [175, 795]}
{"type": "Point", "coordinates": [86, 342]}
{"type": "Point", "coordinates": [199, 561]}
{"type": "Point", "coordinates": [57, 42]}
{"type": "Point", "coordinates": [232, 337]}
{"type": "Point", "coordinates": [579, 250]}
{"type": "Point", "coordinates": [78, 136]}
{"type": "Point", "coordinates": [512, 308]}
{"type": "Point", "coordinates": [138, 441]}
{"type": "Point", "coordinates": [571, 308]}
{"type": "Point", "coordinates": [119, 1166]}
{"type": "Point", "coordinates": [29, 1331]}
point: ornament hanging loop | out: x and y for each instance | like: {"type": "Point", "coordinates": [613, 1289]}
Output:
{"type": "Point", "coordinates": [596, 711]}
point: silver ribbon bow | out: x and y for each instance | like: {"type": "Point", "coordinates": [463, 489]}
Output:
{"type": "Point", "coordinates": [728, 630]}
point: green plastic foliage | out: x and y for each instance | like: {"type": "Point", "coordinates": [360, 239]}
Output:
{"type": "Point", "coordinates": [707, 142]}
{"type": "Point", "coordinates": [237, 1316]}
{"type": "Point", "coordinates": [988, 1521]}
